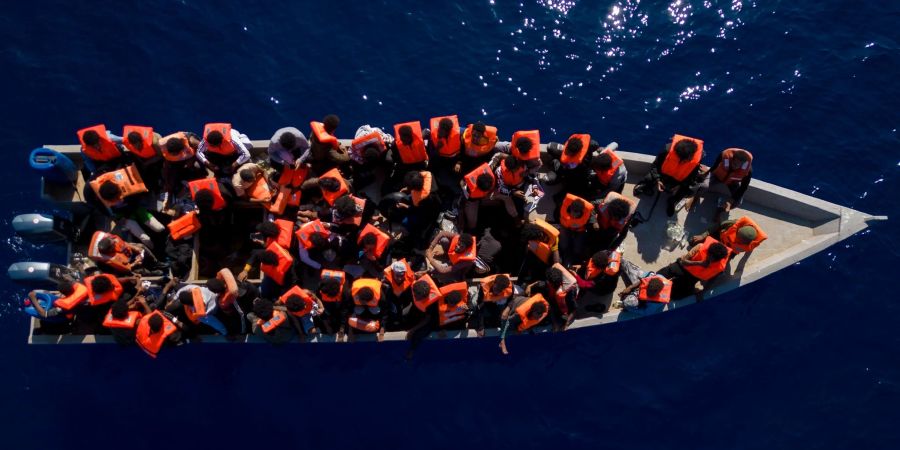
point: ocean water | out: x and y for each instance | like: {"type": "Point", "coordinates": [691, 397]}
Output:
{"type": "Point", "coordinates": [806, 358]}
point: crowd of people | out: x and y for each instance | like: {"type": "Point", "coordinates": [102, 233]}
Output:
{"type": "Point", "coordinates": [421, 230]}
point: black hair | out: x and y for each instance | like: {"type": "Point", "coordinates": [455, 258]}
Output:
{"type": "Point", "coordinates": [318, 241]}
{"type": "Point", "coordinates": [554, 276]}
{"type": "Point", "coordinates": [119, 309]}
{"type": "Point", "coordinates": [576, 209]}
{"type": "Point", "coordinates": [420, 289]}
{"type": "Point", "coordinates": [156, 323]}
{"type": "Point", "coordinates": [204, 199]}
{"type": "Point", "coordinates": [287, 140]}
{"type": "Point", "coordinates": [465, 240]}
{"type": "Point", "coordinates": [406, 135]}
{"type": "Point", "coordinates": [618, 208]}
{"type": "Point", "coordinates": [345, 206]}
{"type": "Point", "coordinates": [215, 138]}
{"type": "Point", "coordinates": [216, 286]}
{"type": "Point", "coordinates": [65, 287]}
{"type": "Point", "coordinates": [453, 297]}
{"type": "Point", "coordinates": [537, 310]}
{"type": "Point", "coordinates": [445, 126]}
{"type": "Point", "coordinates": [247, 175]}
{"type": "Point", "coordinates": [512, 163]}
{"type": "Point", "coordinates": [331, 122]}
{"type": "Point", "coordinates": [329, 184]}
{"type": "Point", "coordinates": [330, 286]}
{"type": "Point", "coordinates": [524, 145]}
{"type": "Point", "coordinates": [600, 259]}
{"type": "Point", "coordinates": [268, 257]}
{"type": "Point", "coordinates": [101, 285]}
{"type": "Point", "coordinates": [654, 286]}
{"type": "Point", "coordinates": [365, 294]}
{"type": "Point", "coordinates": [174, 146]}
{"type": "Point", "coordinates": [602, 161]}
{"type": "Point", "coordinates": [573, 146]}
{"type": "Point", "coordinates": [109, 191]}
{"type": "Point", "coordinates": [91, 138]}
{"type": "Point", "coordinates": [105, 245]}
{"type": "Point", "coordinates": [371, 153]}
{"type": "Point", "coordinates": [685, 149]}
{"type": "Point", "coordinates": [294, 303]}
{"type": "Point", "coordinates": [263, 308]}
{"type": "Point", "coordinates": [268, 229]}
{"type": "Point", "coordinates": [479, 127]}
{"type": "Point", "coordinates": [186, 297]}
{"type": "Point", "coordinates": [368, 239]}
{"type": "Point", "coordinates": [717, 251]}
{"type": "Point", "coordinates": [532, 232]}
{"type": "Point", "coordinates": [501, 282]}
{"type": "Point", "coordinates": [134, 138]}
{"type": "Point", "coordinates": [484, 181]}
{"type": "Point", "coordinates": [414, 180]}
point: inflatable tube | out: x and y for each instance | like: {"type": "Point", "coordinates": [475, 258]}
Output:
{"type": "Point", "coordinates": [53, 166]}
{"type": "Point", "coordinates": [47, 301]}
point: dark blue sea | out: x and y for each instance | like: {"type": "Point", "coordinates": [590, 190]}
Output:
{"type": "Point", "coordinates": [808, 358]}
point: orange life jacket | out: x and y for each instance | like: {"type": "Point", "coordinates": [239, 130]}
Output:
{"type": "Point", "coordinates": [227, 147]}
{"type": "Point", "coordinates": [512, 178]}
{"type": "Point", "coordinates": [187, 153]}
{"type": "Point", "coordinates": [278, 271]}
{"type": "Point", "coordinates": [293, 177]}
{"type": "Point", "coordinates": [357, 219]}
{"type": "Point", "coordinates": [522, 312]}
{"type": "Point", "coordinates": [69, 302]}
{"type": "Point", "coordinates": [730, 239]}
{"type": "Point", "coordinates": [370, 283]}
{"type": "Point", "coordinates": [434, 294]}
{"type": "Point", "coordinates": [471, 181]}
{"type": "Point", "coordinates": [449, 147]}
{"type": "Point", "coordinates": [368, 326]}
{"type": "Point", "coordinates": [129, 322]}
{"type": "Point", "coordinates": [414, 153]}
{"type": "Point", "coordinates": [466, 256]}
{"type": "Point", "coordinates": [408, 277]}
{"type": "Point", "coordinates": [486, 284]}
{"type": "Point", "coordinates": [534, 153]}
{"type": "Point", "coordinates": [153, 342]}
{"type": "Point", "coordinates": [664, 295]}
{"type": "Point", "coordinates": [119, 260]}
{"type": "Point", "coordinates": [226, 299]}
{"type": "Point", "coordinates": [308, 301]}
{"type": "Point", "coordinates": [341, 277]}
{"type": "Point", "coordinates": [374, 138]}
{"type": "Point", "coordinates": [147, 150]}
{"type": "Point", "coordinates": [213, 186]}
{"type": "Point", "coordinates": [184, 226]}
{"type": "Point", "coordinates": [611, 268]}
{"type": "Point", "coordinates": [197, 309]}
{"type": "Point", "coordinates": [108, 149]}
{"type": "Point", "coordinates": [260, 190]}
{"type": "Point", "coordinates": [605, 220]}
{"type": "Point", "coordinates": [484, 145]}
{"type": "Point", "coordinates": [706, 273]}
{"type": "Point", "coordinates": [330, 197]}
{"type": "Point", "coordinates": [106, 297]}
{"type": "Point", "coordinates": [672, 165]}
{"type": "Point", "coordinates": [561, 293]}
{"type": "Point", "coordinates": [381, 241]}
{"type": "Point", "coordinates": [323, 137]}
{"type": "Point", "coordinates": [542, 249]}
{"type": "Point", "coordinates": [585, 139]}
{"type": "Point", "coordinates": [452, 313]}
{"type": "Point", "coordinates": [277, 319]}
{"type": "Point", "coordinates": [127, 179]}
{"type": "Point", "coordinates": [605, 176]}
{"type": "Point", "coordinates": [285, 233]}
{"type": "Point", "coordinates": [418, 195]}
{"type": "Point", "coordinates": [566, 219]}
{"type": "Point", "coordinates": [305, 232]}
{"type": "Point", "coordinates": [729, 170]}
{"type": "Point", "coordinates": [286, 197]}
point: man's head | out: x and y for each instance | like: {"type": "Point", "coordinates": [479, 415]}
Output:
{"type": "Point", "coordinates": [464, 243]}
{"type": "Point", "coordinates": [106, 246]}
{"type": "Point", "coordinates": [268, 229]}
{"type": "Point", "coordinates": [295, 303]}
{"type": "Point", "coordinates": [602, 162]}
{"type": "Point", "coordinates": [746, 234]}
{"type": "Point", "coordinates": [368, 241]}
{"type": "Point", "coordinates": [371, 154]}
{"type": "Point", "coordinates": [156, 323]}
{"type": "Point", "coordinates": [91, 138]}
{"type": "Point", "coordinates": [501, 282]}
{"type": "Point", "coordinates": [135, 139]}
{"type": "Point", "coordinates": [600, 259]}
{"type": "Point", "coordinates": [119, 309]}
{"type": "Point", "coordinates": [268, 258]}
{"type": "Point", "coordinates": [739, 157]}
{"type": "Point", "coordinates": [175, 146]}
{"type": "Point", "coordinates": [247, 175]}
{"type": "Point", "coordinates": [318, 241]}
{"type": "Point", "coordinates": [573, 146]}
{"type": "Point", "coordinates": [445, 126]}
{"type": "Point", "coordinates": [478, 129]}
{"type": "Point", "coordinates": [512, 163]}
{"type": "Point", "coordinates": [537, 311]}
{"type": "Point", "coordinates": [453, 297]}
{"type": "Point", "coordinates": [654, 287]}
{"type": "Point", "coordinates": [329, 184]}
{"type": "Point", "coordinates": [287, 141]}
{"type": "Point", "coordinates": [101, 285]}
{"type": "Point", "coordinates": [576, 209]}
{"type": "Point", "coordinates": [406, 134]}
{"type": "Point", "coordinates": [685, 149]}
{"type": "Point", "coordinates": [215, 138]}
{"type": "Point", "coordinates": [717, 251]}
{"type": "Point", "coordinates": [398, 270]}
{"type": "Point", "coordinates": [524, 145]}
{"type": "Point", "coordinates": [554, 276]}
{"type": "Point", "coordinates": [330, 286]}
{"type": "Point", "coordinates": [365, 295]}
{"type": "Point", "coordinates": [532, 232]}
{"type": "Point", "coordinates": [216, 286]}
{"type": "Point", "coordinates": [414, 180]}
{"type": "Point", "coordinates": [421, 289]}
{"type": "Point", "coordinates": [331, 122]}
{"type": "Point", "coordinates": [345, 206]}
{"type": "Point", "coordinates": [66, 287]}
{"type": "Point", "coordinates": [263, 308]}
{"type": "Point", "coordinates": [204, 199]}
{"type": "Point", "coordinates": [618, 209]}
{"type": "Point", "coordinates": [186, 297]}
{"type": "Point", "coordinates": [110, 191]}
{"type": "Point", "coordinates": [484, 182]}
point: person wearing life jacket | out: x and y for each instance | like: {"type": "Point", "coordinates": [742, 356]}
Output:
{"type": "Point", "coordinates": [209, 196]}
{"type": "Point", "coordinates": [740, 235]}
{"type": "Point", "coordinates": [702, 263]}
{"type": "Point", "coordinates": [560, 288]}
{"type": "Point", "coordinates": [479, 187]}
{"type": "Point", "coordinates": [455, 307]}
{"type": "Point", "coordinates": [123, 194]}
{"type": "Point", "coordinates": [645, 292]}
{"type": "Point", "coordinates": [676, 171]}
{"type": "Point", "coordinates": [286, 147]}
{"type": "Point", "coordinates": [143, 144]}
{"type": "Point", "coordinates": [399, 278]}
{"type": "Point", "coordinates": [375, 250]}
{"type": "Point", "coordinates": [576, 217]}
{"type": "Point", "coordinates": [197, 306]}
{"type": "Point", "coordinates": [123, 318]}
{"type": "Point", "coordinates": [302, 307]}
{"type": "Point", "coordinates": [325, 151]}
{"type": "Point", "coordinates": [608, 173]}
{"type": "Point", "coordinates": [370, 311]}
{"type": "Point", "coordinates": [513, 179]}
{"type": "Point", "coordinates": [570, 165]}
{"type": "Point", "coordinates": [227, 292]}
{"type": "Point", "coordinates": [270, 322]}
{"type": "Point", "coordinates": [368, 152]}
{"type": "Point", "coordinates": [334, 290]}
{"type": "Point", "coordinates": [69, 295]}
{"type": "Point", "coordinates": [180, 163]}
{"type": "Point", "coordinates": [522, 314]}
{"type": "Point", "coordinates": [333, 186]}
{"type": "Point", "coordinates": [451, 255]}
{"type": "Point", "coordinates": [350, 213]}
{"type": "Point", "coordinates": [124, 257]}
{"type": "Point", "coordinates": [445, 149]}
{"type": "Point", "coordinates": [542, 248]}
{"type": "Point", "coordinates": [421, 316]}
{"type": "Point", "coordinates": [156, 330]}
{"type": "Point", "coordinates": [733, 168]}
{"type": "Point", "coordinates": [494, 292]}
{"type": "Point", "coordinates": [601, 271]}
{"type": "Point", "coordinates": [103, 150]}
{"type": "Point", "coordinates": [249, 183]}
{"type": "Point", "coordinates": [420, 204]}
{"type": "Point", "coordinates": [526, 147]}
{"type": "Point", "coordinates": [407, 154]}
{"type": "Point", "coordinates": [317, 246]}
{"type": "Point", "coordinates": [614, 215]}
{"type": "Point", "coordinates": [276, 264]}
{"type": "Point", "coordinates": [479, 142]}
{"type": "Point", "coordinates": [223, 149]}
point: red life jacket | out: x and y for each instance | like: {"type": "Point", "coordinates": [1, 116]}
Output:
{"type": "Point", "coordinates": [543, 249]}
{"type": "Point", "coordinates": [452, 313]}
{"type": "Point", "coordinates": [323, 137]}
{"type": "Point", "coordinates": [417, 195]}
{"type": "Point", "coordinates": [672, 165]}
{"type": "Point", "coordinates": [414, 153]}
{"type": "Point", "coordinates": [293, 177]}
{"type": "Point", "coordinates": [585, 139]}
{"type": "Point", "coordinates": [106, 297]}
{"type": "Point", "coordinates": [664, 296]}
{"type": "Point", "coordinates": [122, 252]}
{"type": "Point", "coordinates": [227, 148]}
{"type": "Point", "coordinates": [512, 178]}
{"type": "Point", "coordinates": [340, 276]}
{"type": "Point", "coordinates": [128, 179]}
{"type": "Point", "coordinates": [184, 226]}
{"type": "Point", "coordinates": [358, 145]}
{"type": "Point", "coordinates": [69, 302]}
{"type": "Point", "coordinates": [286, 197]}
{"type": "Point", "coordinates": [277, 319]}
{"type": "Point", "coordinates": [213, 186]}
{"type": "Point", "coordinates": [130, 321]}
{"type": "Point", "coordinates": [466, 256]}
{"type": "Point", "coordinates": [285, 233]}
{"type": "Point", "coordinates": [484, 145]}
{"type": "Point", "coordinates": [153, 342]}
{"type": "Point", "coordinates": [605, 220]}
{"type": "Point", "coordinates": [448, 147]}
{"type": "Point", "coordinates": [534, 153]}
{"type": "Point", "coordinates": [706, 273]}
{"type": "Point", "coordinates": [381, 241]}
{"type": "Point", "coordinates": [605, 176]}
{"type": "Point", "coordinates": [729, 170]}
{"type": "Point", "coordinates": [357, 219]}
{"type": "Point", "coordinates": [471, 181]}
{"type": "Point", "coordinates": [308, 301]}
{"type": "Point", "coordinates": [330, 197]}
{"type": "Point", "coordinates": [108, 149]}
{"type": "Point", "coordinates": [566, 219]}
{"type": "Point", "coordinates": [370, 283]}
{"type": "Point", "coordinates": [147, 150]}
{"type": "Point", "coordinates": [187, 153]}
{"type": "Point", "coordinates": [408, 277]}
{"type": "Point", "coordinates": [488, 282]}
{"type": "Point", "coordinates": [278, 271]}
{"type": "Point", "coordinates": [730, 239]}
{"type": "Point", "coordinates": [611, 268]}
{"type": "Point", "coordinates": [522, 312]}
{"type": "Point", "coordinates": [197, 309]}
{"type": "Point", "coordinates": [305, 232]}
{"type": "Point", "coordinates": [434, 294]}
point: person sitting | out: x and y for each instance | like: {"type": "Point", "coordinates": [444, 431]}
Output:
{"type": "Point", "coordinates": [197, 306]}
{"type": "Point", "coordinates": [179, 152]}
{"type": "Point", "coordinates": [375, 246]}
{"type": "Point", "coordinates": [561, 286]}
{"type": "Point", "coordinates": [103, 150]}
{"type": "Point", "coordinates": [124, 256]}
{"type": "Point", "coordinates": [609, 173]}
{"type": "Point", "coordinates": [451, 255]}
{"type": "Point", "coordinates": [526, 147]}
{"type": "Point", "coordinates": [421, 205]}
{"type": "Point", "coordinates": [570, 164]}
{"type": "Point", "coordinates": [512, 181]}
{"type": "Point", "coordinates": [270, 322]}
{"type": "Point", "coordinates": [454, 307]}
{"type": "Point", "coordinates": [576, 216]}
{"type": "Point", "coordinates": [479, 187]}
{"type": "Point", "coordinates": [209, 196]}
{"type": "Point", "coordinates": [675, 171]}
{"type": "Point", "coordinates": [227, 291]}
{"type": "Point", "coordinates": [399, 277]}
{"type": "Point", "coordinates": [369, 309]}
{"type": "Point", "coordinates": [733, 168]}
{"type": "Point", "coordinates": [123, 318]}
{"type": "Point", "coordinates": [407, 154]}
{"type": "Point", "coordinates": [523, 314]}
{"type": "Point", "coordinates": [479, 142]}
{"type": "Point", "coordinates": [333, 186]}
{"type": "Point", "coordinates": [143, 144]}
{"type": "Point", "coordinates": [336, 300]}
{"type": "Point", "coordinates": [601, 271]}
{"type": "Point", "coordinates": [614, 215]}
{"type": "Point", "coordinates": [126, 208]}
{"type": "Point", "coordinates": [156, 330]}
{"type": "Point", "coordinates": [421, 315]}
{"type": "Point", "coordinates": [703, 263]}
{"type": "Point", "coordinates": [741, 235]}
{"type": "Point", "coordinates": [277, 266]}
{"type": "Point", "coordinates": [445, 150]}
{"type": "Point", "coordinates": [223, 149]}
{"type": "Point", "coordinates": [494, 292]}
{"type": "Point", "coordinates": [302, 307]}
{"type": "Point", "coordinates": [286, 147]}
{"type": "Point", "coordinates": [367, 153]}
{"type": "Point", "coordinates": [246, 183]}
{"type": "Point", "coordinates": [325, 151]}
{"type": "Point", "coordinates": [542, 245]}
{"type": "Point", "coordinates": [645, 292]}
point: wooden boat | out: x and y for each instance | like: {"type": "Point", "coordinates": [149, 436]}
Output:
{"type": "Point", "coordinates": [798, 226]}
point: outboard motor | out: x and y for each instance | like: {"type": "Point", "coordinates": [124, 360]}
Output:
{"type": "Point", "coordinates": [42, 229]}
{"type": "Point", "coordinates": [40, 273]}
